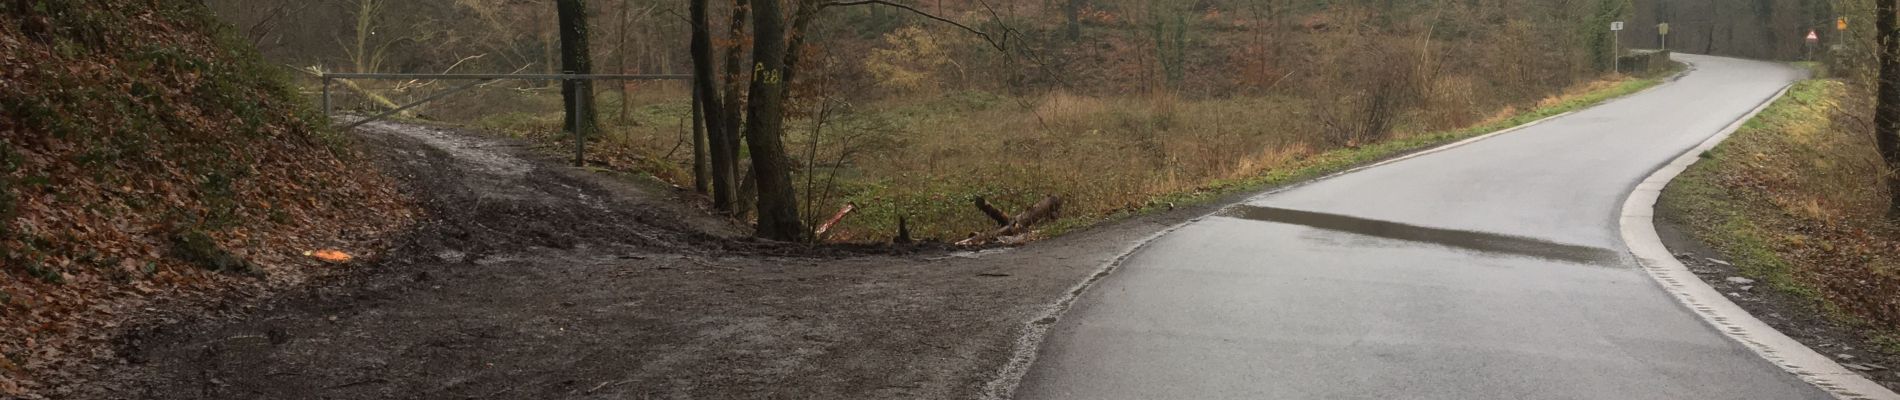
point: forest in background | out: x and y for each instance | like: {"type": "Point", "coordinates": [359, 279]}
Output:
{"type": "Point", "coordinates": [1115, 105]}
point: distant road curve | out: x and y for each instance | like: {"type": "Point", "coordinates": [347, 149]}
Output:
{"type": "Point", "coordinates": [1493, 270]}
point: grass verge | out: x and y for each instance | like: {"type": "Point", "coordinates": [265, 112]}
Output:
{"type": "Point", "coordinates": [1792, 201]}
{"type": "Point", "coordinates": [1335, 161]}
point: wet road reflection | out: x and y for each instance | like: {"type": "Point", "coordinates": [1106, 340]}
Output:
{"type": "Point", "coordinates": [1490, 243]}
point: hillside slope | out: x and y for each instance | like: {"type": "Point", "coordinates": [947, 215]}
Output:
{"type": "Point", "coordinates": [147, 156]}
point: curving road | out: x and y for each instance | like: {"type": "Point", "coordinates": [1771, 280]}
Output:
{"type": "Point", "coordinates": [1494, 270]}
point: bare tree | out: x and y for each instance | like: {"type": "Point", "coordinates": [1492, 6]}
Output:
{"type": "Point", "coordinates": [367, 55]}
{"type": "Point", "coordinates": [765, 125]}
{"type": "Point", "coordinates": [712, 108]}
{"type": "Point", "coordinates": [1887, 101]}
{"type": "Point", "coordinates": [715, 109]}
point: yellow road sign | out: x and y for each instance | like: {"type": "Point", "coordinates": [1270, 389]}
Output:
{"type": "Point", "coordinates": [1662, 28]}
{"type": "Point", "coordinates": [1840, 23]}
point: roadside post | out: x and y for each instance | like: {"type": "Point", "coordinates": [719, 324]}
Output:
{"type": "Point", "coordinates": [1814, 39]}
{"type": "Point", "coordinates": [1616, 47]}
{"type": "Point", "coordinates": [1662, 30]}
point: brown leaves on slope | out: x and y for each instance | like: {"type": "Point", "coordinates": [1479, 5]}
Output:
{"type": "Point", "coordinates": [142, 159]}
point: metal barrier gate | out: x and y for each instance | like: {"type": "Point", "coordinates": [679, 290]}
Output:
{"type": "Point", "coordinates": [580, 140]}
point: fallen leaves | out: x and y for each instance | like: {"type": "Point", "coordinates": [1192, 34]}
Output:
{"type": "Point", "coordinates": [89, 196]}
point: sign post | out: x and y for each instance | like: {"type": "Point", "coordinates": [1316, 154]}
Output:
{"type": "Point", "coordinates": [1663, 30]}
{"type": "Point", "coordinates": [1813, 39]}
{"type": "Point", "coordinates": [1616, 47]}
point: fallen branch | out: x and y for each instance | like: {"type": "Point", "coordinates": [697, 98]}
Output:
{"type": "Point", "coordinates": [995, 214]}
{"type": "Point", "coordinates": [835, 218]}
{"type": "Point", "coordinates": [1045, 210]}
{"type": "Point", "coordinates": [381, 101]}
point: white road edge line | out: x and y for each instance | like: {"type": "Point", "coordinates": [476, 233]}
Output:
{"type": "Point", "coordinates": [1029, 345]}
{"type": "Point", "coordinates": [1639, 233]}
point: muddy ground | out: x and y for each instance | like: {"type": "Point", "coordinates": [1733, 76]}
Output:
{"type": "Point", "coordinates": [537, 280]}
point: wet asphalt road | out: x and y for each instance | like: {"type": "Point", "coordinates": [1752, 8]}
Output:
{"type": "Point", "coordinates": [1489, 271]}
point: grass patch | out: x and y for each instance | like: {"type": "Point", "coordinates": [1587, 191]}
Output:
{"type": "Point", "coordinates": [925, 157]}
{"type": "Point", "coordinates": [1343, 159]}
{"type": "Point", "coordinates": [1791, 199]}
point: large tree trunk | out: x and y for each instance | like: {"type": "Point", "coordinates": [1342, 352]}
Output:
{"type": "Point", "coordinates": [1887, 102]}
{"type": "Point", "coordinates": [705, 83]}
{"type": "Point", "coordinates": [735, 87]}
{"type": "Point", "coordinates": [575, 59]}
{"type": "Point", "coordinates": [765, 124]}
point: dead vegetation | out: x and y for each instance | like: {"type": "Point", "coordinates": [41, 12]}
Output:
{"type": "Point", "coordinates": [1795, 199]}
{"type": "Point", "coordinates": [146, 157]}
{"type": "Point", "coordinates": [910, 119]}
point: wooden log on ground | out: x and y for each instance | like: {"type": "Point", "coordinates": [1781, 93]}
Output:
{"type": "Point", "coordinates": [835, 218]}
{"type": "Point", "coordinates": [1047, 209]}
{"type": "Point", "coordinates": [994, 214]}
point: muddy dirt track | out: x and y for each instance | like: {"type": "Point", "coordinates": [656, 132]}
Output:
{"type": "Point", "coordinates": [536, 280]}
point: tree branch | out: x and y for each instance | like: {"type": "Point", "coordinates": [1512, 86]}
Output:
{"type": "Point", "coordinates": [1000, 46]}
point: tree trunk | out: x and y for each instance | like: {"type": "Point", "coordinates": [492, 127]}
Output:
{"type": "Point", "coordinates": [621, 51]}
{"type": "Point", "coordinates": [1072, 11]}
{"type": "Point", "coordinates": [575, 59]}
{"type": "Point", "coordinates": [732, 121]}
{"type": "Point", "coordinates": [1887, 102]}
{"type": "Point", "coordinates": [765, 124]}
{"type": "Point", "coordinates": [705, 83]}
{"type": "Point", "coordinates": [702, 181]}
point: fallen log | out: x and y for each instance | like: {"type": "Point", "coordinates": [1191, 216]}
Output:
{"type": "Point", "coordinates": [994, 214]}
{"type": "Point", "coordinates": [1049, 208]}
{"type": "Point", "coordinates": [352, 86]}
{"type": "Point", "coordinates": [835, 218]}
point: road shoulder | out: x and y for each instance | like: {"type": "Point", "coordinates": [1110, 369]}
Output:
{"type": "Point", "coordinates": [1652, 246]}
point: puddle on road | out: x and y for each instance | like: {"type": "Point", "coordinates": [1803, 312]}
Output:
{"type": "Point", "coordinates": [1475, 241]}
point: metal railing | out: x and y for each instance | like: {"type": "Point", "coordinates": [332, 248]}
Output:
{"type": "Point", "coordinates": [580, 140]}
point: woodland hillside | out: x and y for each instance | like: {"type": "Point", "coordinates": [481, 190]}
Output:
{"type": "Point", "coordinates": [147, 155]}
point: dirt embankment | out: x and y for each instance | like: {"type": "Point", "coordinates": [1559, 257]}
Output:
{"type": "Point", "coordinates": [147, 158]}
{"type": "Point", "coordinates": [536, 280]}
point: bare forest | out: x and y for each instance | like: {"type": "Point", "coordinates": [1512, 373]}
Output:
{"type": "Point", "coordinates": [909, 111]}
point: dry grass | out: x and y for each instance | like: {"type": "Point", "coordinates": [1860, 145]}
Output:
{"type": "Point", "coordinates": [1795, 200]}
{"type": "Point", "coordinates": [926, 157]}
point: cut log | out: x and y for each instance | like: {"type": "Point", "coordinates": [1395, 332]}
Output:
{"type": "Point", "coordinates": [994, 214]}
{"type": "Point", "coordinates": [835, 218]}
{"type": "Point", "coordinates": [1047, 209]}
